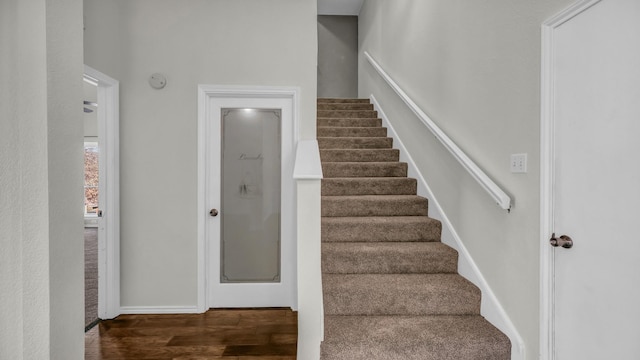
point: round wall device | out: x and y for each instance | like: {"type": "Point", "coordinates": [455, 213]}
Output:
{"type": "Point", "coordinates": [157, 81]}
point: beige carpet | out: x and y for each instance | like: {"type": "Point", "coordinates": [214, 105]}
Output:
{"type": "Point", "coordinates": [90, 277]}
{"type": "Point", "coordinates": [391, 288]}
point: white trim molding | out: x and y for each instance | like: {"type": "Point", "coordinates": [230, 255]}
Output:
{"type": "Point", "coordinates": [547, 154]}
{"type": "Point", "coordinates": [109, 225]}
{"type": "Point", "coordinates": [491, 308]}
{"type": "Point", "coordinates": [502, 199]}
{"type": "Point", "coordinates": [207, 96]}
{"type": "Point", "coordinates": [139, 310]}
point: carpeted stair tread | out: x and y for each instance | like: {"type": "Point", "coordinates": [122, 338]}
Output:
{"type": "Point", "coordinates": [368, 186]}
{"type": "Point", "coordinates": [390, 287]}
{"type": "Point", "coordinates": [399, 294]}
{"type": "Point", "coordinates": [344, 106]}
{"type": "Point", "coordinates": [348, 131]}
{"type": "Point", "coordinates": [348, 113]}
{"type": "Point", "coordinates": [374, 205]}
{"type": "Point", "coordinates": [388, 258]}
{"type": "Point", "coordinates": [384, 228]}
{"type": "Point", "coordinates": [359, 155]}
{"type": "Point", "coordinates": [413, 338]}
{"type": "Point", "coordinates": [355, 143]}
{"type": "Point", "coordinates": [364, 169]}
{"type": "Point", "coordinates": [356, 122]}
{"type": "Point", "coordinates": [341, 100]}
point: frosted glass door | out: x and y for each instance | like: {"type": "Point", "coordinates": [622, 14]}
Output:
{"type": "Point", "coordinates": [250, 233]}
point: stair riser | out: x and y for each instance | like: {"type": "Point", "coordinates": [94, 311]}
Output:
{"type": "Point", "coordinates": [341, 101]}
{"type": "Point", "coordinates": [352, 132]}
{"type": "Point", "coordinates": [355, 143]}
{"type": "Point", "coordinates": [385, 169]}
{"type": "Point", "coordinates": [361, 155]}
{"type": "Point", "coordinates": [343, 106]}
{"type": "Point", "coordinates": [393, 294]}
{"type": "Point", "coordinates": [348, 114]}
{"type": "Point", "coordinates": [368, 186]}
{"type": "Point", "coordinates": [373, 230]}
{"type": "Point", "coordinates": [330, 122]}
{"type": "Point", "coordinates": [373, 206]}
{"type": "Point", "coordinates": [388, 258]}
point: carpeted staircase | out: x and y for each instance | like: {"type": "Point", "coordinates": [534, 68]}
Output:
{"type": "Point", "coordinates": [391, 290]}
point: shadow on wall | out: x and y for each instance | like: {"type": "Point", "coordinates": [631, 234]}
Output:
{"type": "Point", "coordinates": [337, 56]}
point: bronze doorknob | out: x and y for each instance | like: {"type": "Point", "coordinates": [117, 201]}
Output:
{"type": "Point", "coordinates": [213, 212]}
{"type": "Point", "coordinates": [564, 241]}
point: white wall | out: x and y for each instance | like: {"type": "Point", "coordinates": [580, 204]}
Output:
{"type": "Point", "coordinates": [41, 262]}
{"type": "Point", "coordinates": [242, 42]}
{"type": "Point", "coordinates": [90, 93]}
{"type": "Point", "coordinates": [474, 68]}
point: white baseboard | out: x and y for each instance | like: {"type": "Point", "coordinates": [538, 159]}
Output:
{"type": "Point", "coordinates": [491, 308]}
{"type": "Point", "coordinates": [159, 310]}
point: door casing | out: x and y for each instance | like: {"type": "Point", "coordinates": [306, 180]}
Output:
{"type": "Point", "coordinates": [210, 99]}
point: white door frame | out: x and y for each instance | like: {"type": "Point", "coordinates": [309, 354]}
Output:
{"type": "Point", "coordinates": [547, 176]}
{"type": "Point", "coordinates": [108, 112]}
{"type": "Point", "coordinates": [207, 95]}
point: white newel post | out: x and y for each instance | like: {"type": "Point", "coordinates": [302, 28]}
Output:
{"type": "Point", "coordinates": [308, 176]}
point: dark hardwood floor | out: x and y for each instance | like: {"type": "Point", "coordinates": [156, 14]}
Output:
{"type": "Point", "coordinates": [232, 334]}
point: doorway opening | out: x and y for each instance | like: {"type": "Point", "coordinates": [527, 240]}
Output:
{"type": "Point", "coordinates": [101, 208]}
{"type": "Point", "coordinates": [91, 203]}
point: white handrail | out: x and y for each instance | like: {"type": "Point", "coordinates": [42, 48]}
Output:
{"type": "Point", "coordinates": [503, 200]}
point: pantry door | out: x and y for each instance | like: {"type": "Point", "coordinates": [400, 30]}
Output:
{"type": "Point", "coordinates": [248, 201]}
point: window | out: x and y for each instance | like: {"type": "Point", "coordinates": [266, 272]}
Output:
{"type": "Point", "coordinates": [91, 178]}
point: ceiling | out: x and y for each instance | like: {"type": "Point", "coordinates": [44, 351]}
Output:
{"type": "Point", "coordinates": [339, 7]}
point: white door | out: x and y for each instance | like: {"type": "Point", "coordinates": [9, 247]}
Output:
{"type": "Point", "coordinates": [249, 202]}
{"type": "Point", "coordinates": [596, 197]}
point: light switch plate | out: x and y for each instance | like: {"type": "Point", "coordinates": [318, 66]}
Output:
{"type": "Point", "coordinates": [518, 163]}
